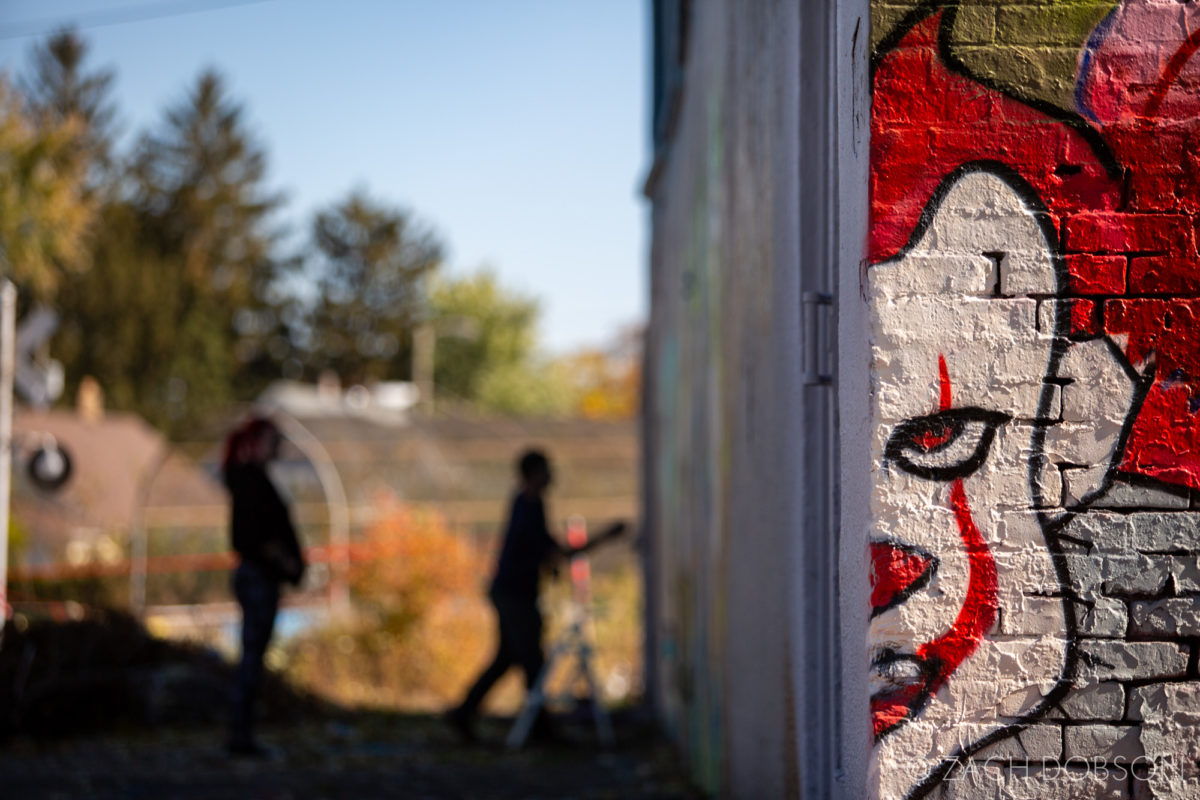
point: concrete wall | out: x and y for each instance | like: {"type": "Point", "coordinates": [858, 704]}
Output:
{"type": "Point", "coordinates": [1034, 365]}
{"type": "Point", "coordinates": [746, 643]}
{"type": "Point", "coordinates": [723, 310]}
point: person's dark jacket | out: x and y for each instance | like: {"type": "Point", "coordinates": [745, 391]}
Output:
{"type": "Point", "coordinates": [527, 545]}
{"type": "Point", "coordinates": [261, 526]}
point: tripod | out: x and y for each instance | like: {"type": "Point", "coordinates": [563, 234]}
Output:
{"type": "Point", "coordinates": [576, 641]}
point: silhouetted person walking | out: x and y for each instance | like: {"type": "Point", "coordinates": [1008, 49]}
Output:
{"type": "Point", "coordinates": [265, 541]}
{"type": "Point", "coordinates": [527, 547]}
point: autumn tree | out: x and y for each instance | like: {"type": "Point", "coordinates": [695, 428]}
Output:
{"type": "Point", "coordinates": [46, 216]}
{"type": "Point", "coordinates": [605, 382]}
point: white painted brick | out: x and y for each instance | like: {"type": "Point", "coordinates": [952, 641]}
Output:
{"type": "Point", "coordinates": [1080, 484]}
{"type": "Point", "coordinates": [1047, 310]}
{"type": "Point", "coordinates": [1104, 659]}
{"type": "Point", "coordinates": [1107, 742]}
{"type": "Point", "coordinates": [1106, 531]}
{"type": "Point", "coordinates": [1037, 742]}
{"type": "Point", "coordinates": [1185, 570]}
{"type": "Point", "coordinates": [1086, 571]}
{"type": "Point", "coordinates": [1176, 616]}
{"type": "Point", "coordinates": [1036, 615]}
{"type": "Point", "coordinates": [1107, 617]}
{"type": "Point", "coordinates": [1135, 574]}
{"type": "Point", "coordinates": [925, 274]}
{"type": "Point", "coordinates": [1128, 495]}
{"type": "Point", "coordinates": [1097, 701]}
{"type": "Point", "coordinates": [1102, 393]}
{"type": "Point", "coordinates": [1165, 531]}
{"type": "Point", "coordinates": [1170, 719]}
{"type": "Point", "coordinates": [994, 782]}
{"type": "Point", "coordinates": [1147, 700]}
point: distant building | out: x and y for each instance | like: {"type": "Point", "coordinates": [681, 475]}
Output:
{"type": "Point", "coordinates": [121, 471]}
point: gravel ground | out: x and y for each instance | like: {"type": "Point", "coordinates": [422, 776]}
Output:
{"type": "Point", "coordinates": [356, 756]}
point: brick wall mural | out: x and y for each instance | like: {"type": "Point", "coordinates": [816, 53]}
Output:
{"type": "Point", "coordinates": [1034, 288]}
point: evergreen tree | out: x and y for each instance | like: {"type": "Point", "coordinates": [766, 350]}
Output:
{"type": "Point", "coordinates": [373, 262]}
{"type": "Point", "coordinates": [120, 319]}
{"type": "Point", "coordinates": [59, 91]}
{"type": "Point", "coordinates": [200, 188]}
{"type": "Point", "coordinates": [176, 316]}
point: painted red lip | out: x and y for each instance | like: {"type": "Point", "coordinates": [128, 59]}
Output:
{"type": "Point", "coordinates": [897, 570]}
{"type": "Point", "coordinates": [890, 709]}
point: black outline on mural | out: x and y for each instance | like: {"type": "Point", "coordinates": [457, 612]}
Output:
{"type": "Point", "coordinates": [918, 584]}
{"type": "Point", "coordinates": [928, 668]}
{"type": "Point", "coordinates": [1051, 523]}
{"type": "Point", "coordinates": [903, 439]}
{"type": "Point", "coordinates": [1050, 526]}
{"type": "Point", "coordinates": [945, 50]}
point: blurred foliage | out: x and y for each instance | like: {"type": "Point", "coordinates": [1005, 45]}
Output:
{"type": "Point", "coordinates": [486, 349]}
{"type": "Point", "coordinates": [58, 90]}
{"type": "Point", "coordinates": [95, 591]}
{"type": "Point", "coordinates": [18, 539]}
{"type": "Point", "coordinates": [480, 326]}
{"type": "Point", "coordinates": [178, 292]}
{"type": "Point", "coordinates": [487, 357]}
{"type": "Point", "coordinates": [46, 216]}
{"type": "Point", "coordinates": [606, 383]}
{"type": "Point", "coordinates": [425, 627]}
{"type": "Point", "coordinates": [198, 187]}
{"type": "Point", "coordinates": [420, 616]}
{"type": "Point", "coordinates": [372, 264]}
{"type": "Point", "coordinates": [531, 388]}
{"type": "Point", "coordinates": [183, 249]}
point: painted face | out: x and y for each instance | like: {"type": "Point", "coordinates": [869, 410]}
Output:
{"type": "Point", "coordinates": [968, 624]}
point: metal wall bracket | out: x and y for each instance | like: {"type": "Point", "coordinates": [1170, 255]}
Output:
{"type": "Point", "coordinates": [816, 312]}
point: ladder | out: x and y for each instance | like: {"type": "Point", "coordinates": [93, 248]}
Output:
{"type": "Point", "coordinates": [577, 642]}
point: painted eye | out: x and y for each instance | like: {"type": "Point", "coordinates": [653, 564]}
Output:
{"type": "Point", "coordinates": [943, 446]}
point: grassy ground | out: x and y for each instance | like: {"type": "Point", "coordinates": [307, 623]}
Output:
{"type": "Point", "coordinates": [363, 756]}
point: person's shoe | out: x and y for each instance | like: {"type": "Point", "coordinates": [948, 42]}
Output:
{"type": "Point", "coordinates": [462, 724]}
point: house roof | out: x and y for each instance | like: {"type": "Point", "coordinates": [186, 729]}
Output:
{"type": "Point", "coordinates": [120, 466]}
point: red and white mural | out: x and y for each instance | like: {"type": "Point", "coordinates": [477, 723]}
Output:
{"type": "Point", "coordinates": [1035, 300]}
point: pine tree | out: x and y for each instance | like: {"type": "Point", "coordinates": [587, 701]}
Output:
{"type": "Point", "coordinates": [200, 187]}
{"type": "Point", "coordinates": [59, 91]}
{"type": "Point", "coordinates": [374, 260]}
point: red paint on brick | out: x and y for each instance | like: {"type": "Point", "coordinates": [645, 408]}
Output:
{"type": "Point", "coordinates": [1145, 94]}
{"type": "Point", "coordinates": [894, 570]}
{"type": "Point", "coordinates": [1093, 274]}
{"type": "Point", "coordinates": [926, 121]}
{"type": "Point", "coordinates": [1160, 275]}
{"type": "Point", "coordinates": [1083, 318]}
{"type": "Point", "coordinates": [1114, 232]}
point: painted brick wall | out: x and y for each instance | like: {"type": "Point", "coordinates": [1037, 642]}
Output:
{"type": "Point", "coordinates": [1034, 293]}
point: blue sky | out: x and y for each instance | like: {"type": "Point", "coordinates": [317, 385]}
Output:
{"type": "Point", "coordinates": [515, 127]}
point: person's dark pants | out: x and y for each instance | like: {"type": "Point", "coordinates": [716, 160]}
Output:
{"type": "Point", "coordinates": [258, 594]}
{"type": "Point", "coordinates": [520, 645]}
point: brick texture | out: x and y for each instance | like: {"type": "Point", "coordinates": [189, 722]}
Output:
{"type": "Point", "coordinates": [1088, 113]}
